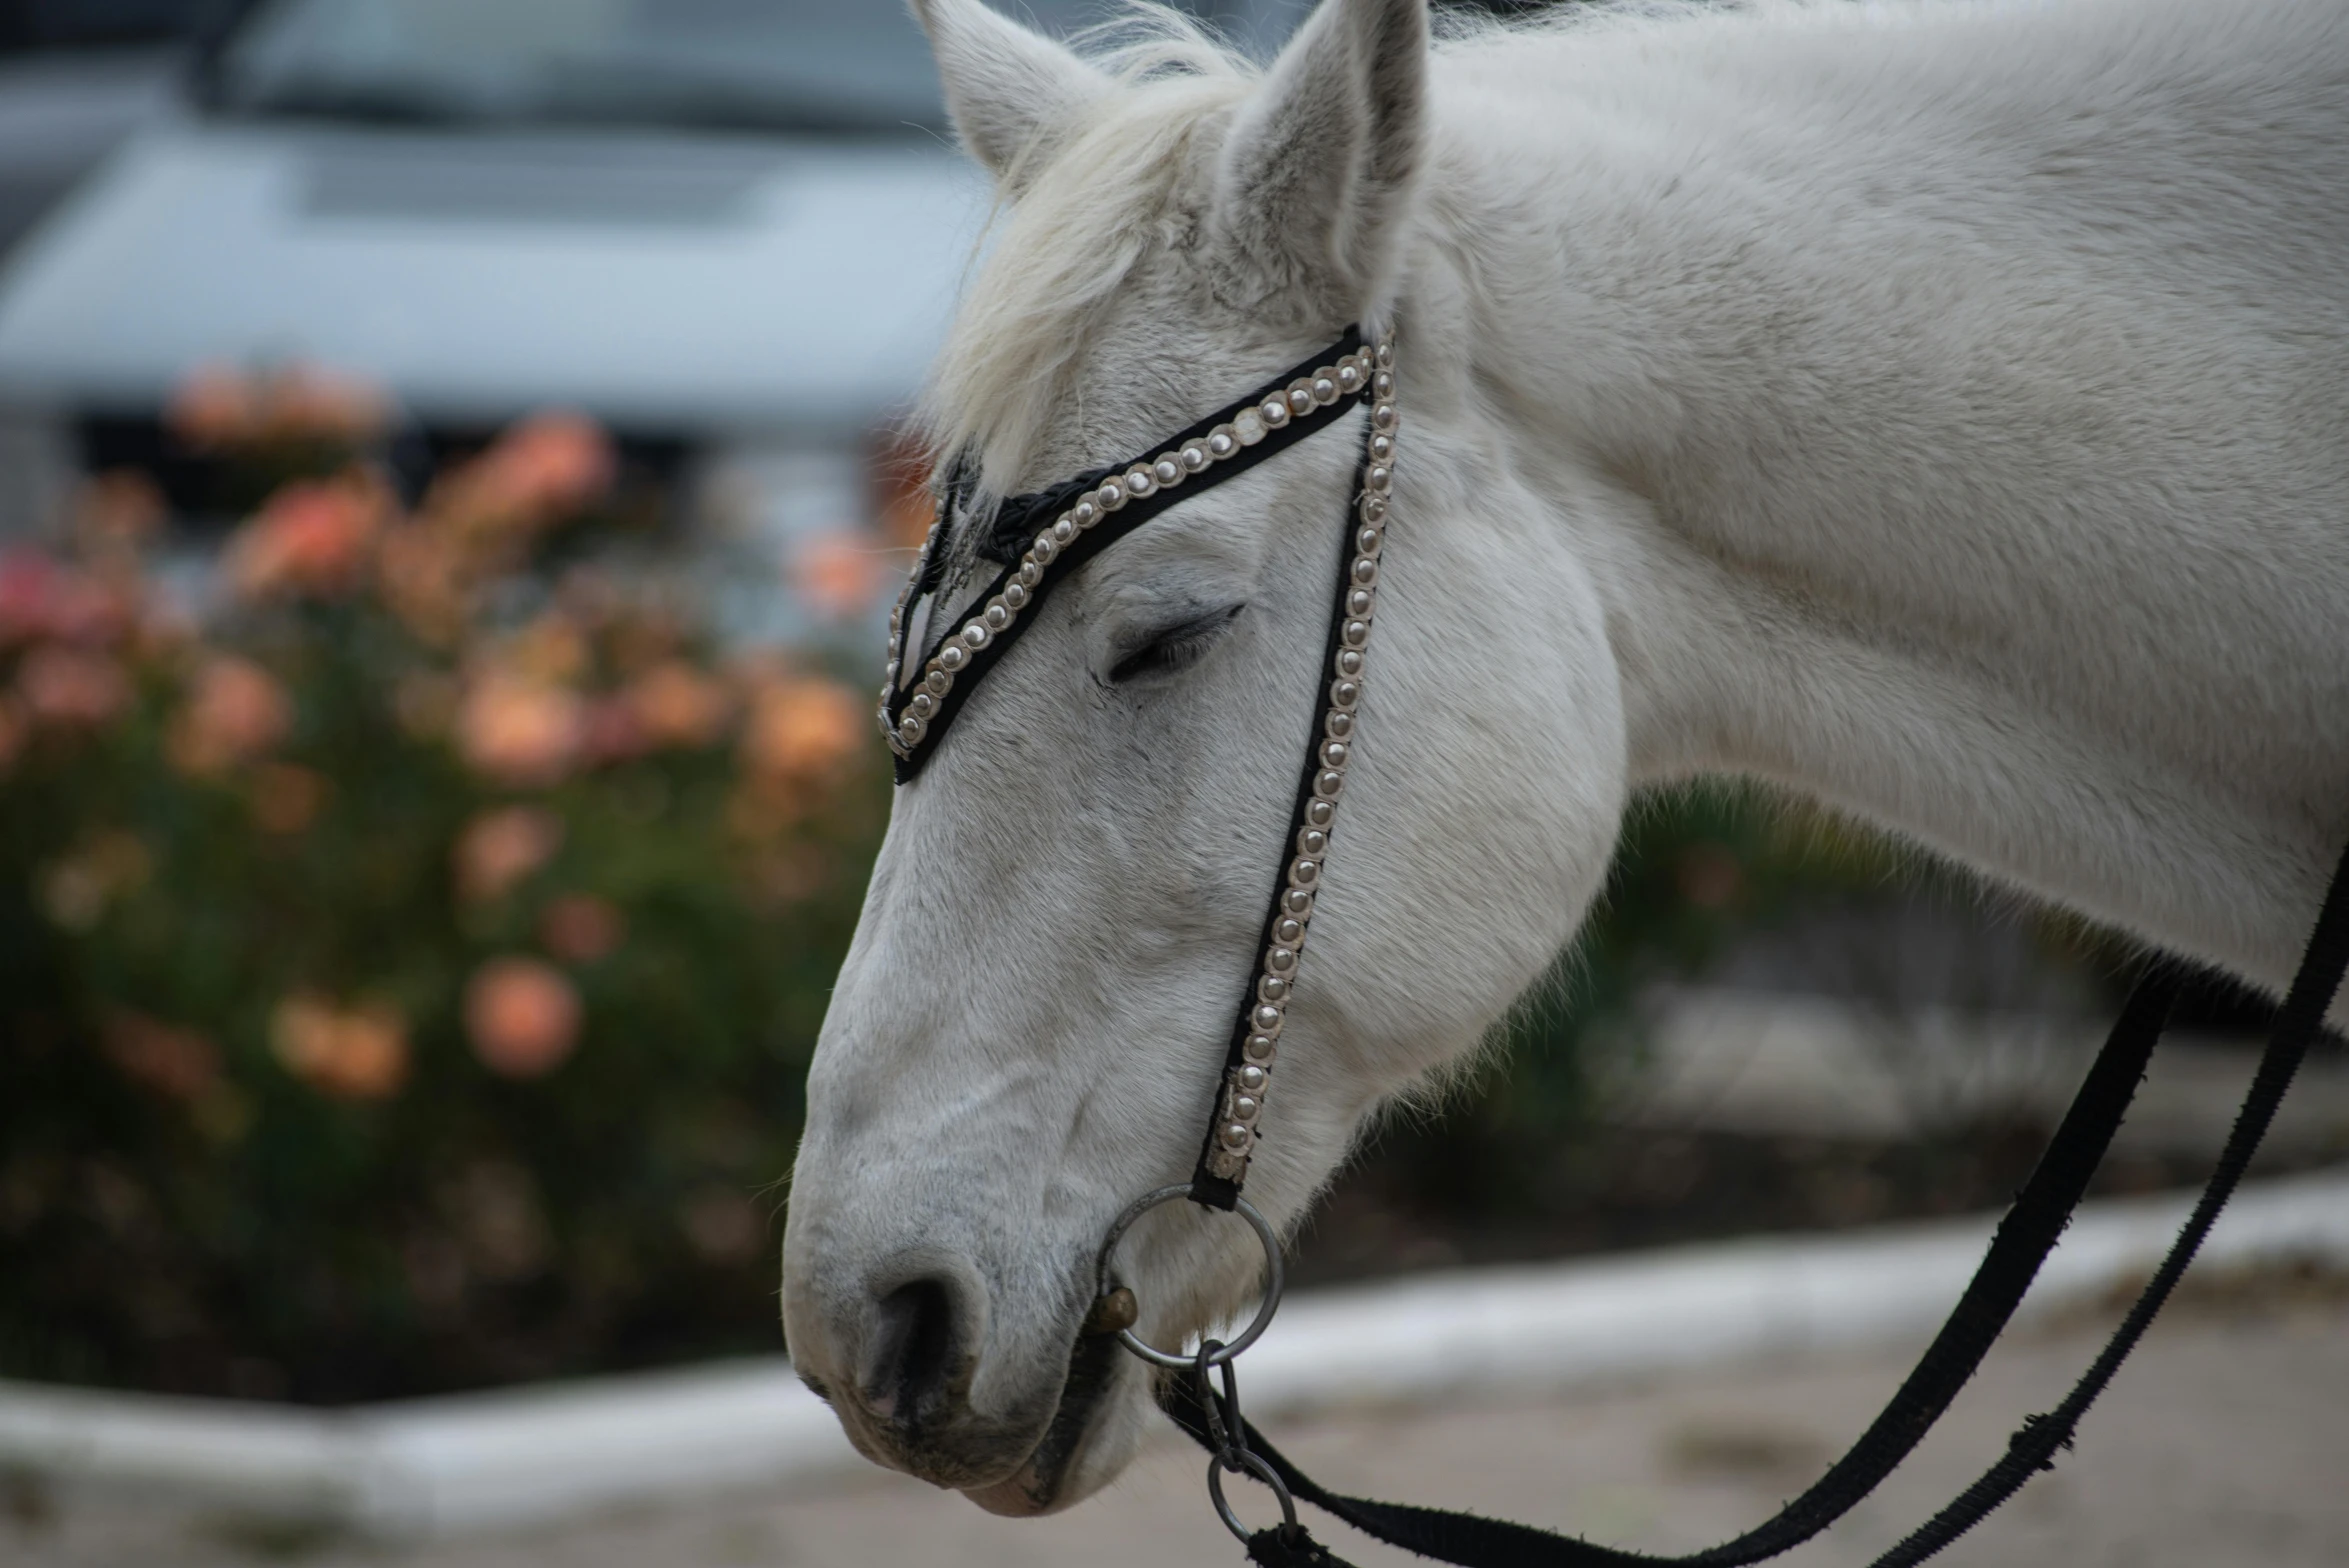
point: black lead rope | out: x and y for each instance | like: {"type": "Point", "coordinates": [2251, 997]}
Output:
{"type": "Point", "coordinates": [2024, 1238]}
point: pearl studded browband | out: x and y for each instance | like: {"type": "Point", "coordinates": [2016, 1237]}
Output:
{"type": "Point", "coordinates": [1052, 532]}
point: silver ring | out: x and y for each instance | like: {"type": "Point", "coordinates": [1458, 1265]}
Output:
{"type": "Point", "coordinates": [1262, 1472]}
{"type": "Point", "coordinates": [1274, 1278]}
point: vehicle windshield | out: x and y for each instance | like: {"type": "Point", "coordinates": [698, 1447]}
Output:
{"type": "Point", "coordinates": [847, 65]}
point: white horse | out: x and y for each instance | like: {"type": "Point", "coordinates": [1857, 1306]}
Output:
{"type": "Point", "coordinates": [1940, 408]}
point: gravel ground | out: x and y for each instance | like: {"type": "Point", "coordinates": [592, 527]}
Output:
{"type": "Point", "coordinates": [2225, 1443]}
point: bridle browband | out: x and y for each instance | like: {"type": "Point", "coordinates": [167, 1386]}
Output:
{"type": "Point", "coordinates": [1046, 536]}
{"type": "Point", "coordinates": [1074, 521]}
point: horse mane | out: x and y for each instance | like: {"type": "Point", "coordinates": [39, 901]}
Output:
{"type": "Point", "coordinates": [1089, 203]}
{"type": "Point", "coordinates": [1093, 197]}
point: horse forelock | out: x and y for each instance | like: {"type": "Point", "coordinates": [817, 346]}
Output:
{"type": "Point", "coordinates": [1096, 200]}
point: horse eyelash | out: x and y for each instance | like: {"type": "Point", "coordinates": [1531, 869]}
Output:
{"type": "Point", "coordinates": [1176, 648]}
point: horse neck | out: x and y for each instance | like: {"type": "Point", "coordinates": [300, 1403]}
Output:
{"type": "Point", "coordinates": [1880, 497]}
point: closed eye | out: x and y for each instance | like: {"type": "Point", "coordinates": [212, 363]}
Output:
{"type": "Point", "coordinates": [1173, 649]}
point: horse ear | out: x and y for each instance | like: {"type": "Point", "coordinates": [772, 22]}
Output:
{"type": "Point", "coordinates": [1009, 90]}
{"type": "Point", "coordinates": [1319, 166]}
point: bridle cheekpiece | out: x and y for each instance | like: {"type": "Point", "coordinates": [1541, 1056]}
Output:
{"type": "Point", "coordinates": [1073, 521]}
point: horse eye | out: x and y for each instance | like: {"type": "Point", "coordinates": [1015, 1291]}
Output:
{"type": "Point", "coordinates": [1172, 649]}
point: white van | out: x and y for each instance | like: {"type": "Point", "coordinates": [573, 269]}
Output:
{"type": "Point", "coordinates": [730, 229]}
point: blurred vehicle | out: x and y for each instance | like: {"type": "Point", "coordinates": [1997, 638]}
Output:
{"type": "Point", "coordinates": [729, 229]}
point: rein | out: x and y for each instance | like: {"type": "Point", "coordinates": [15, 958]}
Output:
{"type": "Point", "coordinates": [1055, 531]}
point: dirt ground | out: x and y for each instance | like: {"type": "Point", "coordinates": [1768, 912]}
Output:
{"type": "Point", "coordinates": [2225, 1444]}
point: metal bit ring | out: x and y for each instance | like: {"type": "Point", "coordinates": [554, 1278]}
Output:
{"type": "Point", "coordinates": [1274, 1278]}
{"type": "Point", "coordinates": [1262, 1472]}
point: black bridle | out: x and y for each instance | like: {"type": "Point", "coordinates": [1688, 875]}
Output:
{"type": "Point", "coordinates": [1047, 535]}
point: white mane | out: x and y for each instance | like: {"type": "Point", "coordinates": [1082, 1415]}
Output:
{"type": "Point", "coordinates": [1093, 197]}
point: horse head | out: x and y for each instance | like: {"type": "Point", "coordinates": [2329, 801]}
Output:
{"type": "Point", "coordinates": [1031, 1023]}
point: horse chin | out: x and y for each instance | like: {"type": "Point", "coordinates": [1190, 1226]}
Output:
{"type": "Point", "coordinates": [1093, 1433]}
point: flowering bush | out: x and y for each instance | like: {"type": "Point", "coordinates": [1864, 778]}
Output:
{"type": "Point", "coordinates": [408, 964]}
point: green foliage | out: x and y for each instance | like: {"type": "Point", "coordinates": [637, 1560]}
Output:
{"type": "Point", "coordinates": [407, 982]}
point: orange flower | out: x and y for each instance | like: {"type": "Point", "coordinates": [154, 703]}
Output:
{"type": "Point", "coordinates": [536, 473]}
{"type": "Point", "coordinates": [67, 686]}
{"type": "Point", "coordinates": [803, 729]}
{"type": "Point", "coordinates": [309, 403]}
{"type": "Point", "coordinates": [235, 711]}
{"type": "Point", "coordinates": [554, 463]}
{"type": "Point", "coordinates": [519, 732]}
{"type": "Point", "coordinates": [523, 1016]}
{"type": "Point", "coordinates": [313, 537]}
{"type": "Point", "coordinates": [351, 1053]}
{"type": "Point", "coordinates": [182, 1064]}
{"type": "Point", "coordinates": [220, 406]}
{"type": "Point", "coordinates": [580, 928]}
{"type": "Point", "coordinates": [500, 848]}
{"type": "Point", "coordinates": [677, 705]}
{"type": "Point", "coordinates": [836, 573]}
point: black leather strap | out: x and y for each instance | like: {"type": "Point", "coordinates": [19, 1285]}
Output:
{"type": "Point", "coordinates": [1021, 518]}
{"type": "Point", "coordinates": [1209, 1190]}
{"type": "Point", "coordinates": [2024, 1239]}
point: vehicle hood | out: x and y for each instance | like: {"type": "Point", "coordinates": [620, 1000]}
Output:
{"type": "Point", "coordinates": [657, 281]}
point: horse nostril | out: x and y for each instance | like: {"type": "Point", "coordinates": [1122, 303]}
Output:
{"type": "Point", "coordinates": [913, 1349]}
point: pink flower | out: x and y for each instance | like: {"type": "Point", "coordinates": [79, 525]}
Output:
{"type": "Point", "coordinates": [523, 1016]}
{"type": "Point", "coordinates": [554, 463]}
{"type": "Point", "coordinates": [235, 711]}
{"type": "Point", "coordinates": [500, 848]}
{"type": "Point", "coordinates": [41, 600]}
{"type": "Point", "coordinates": [313, 537]}
{"type": "Point", "coordinates": [68, 686]}
{"type": "Point", "coordinates": [28, 583]}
